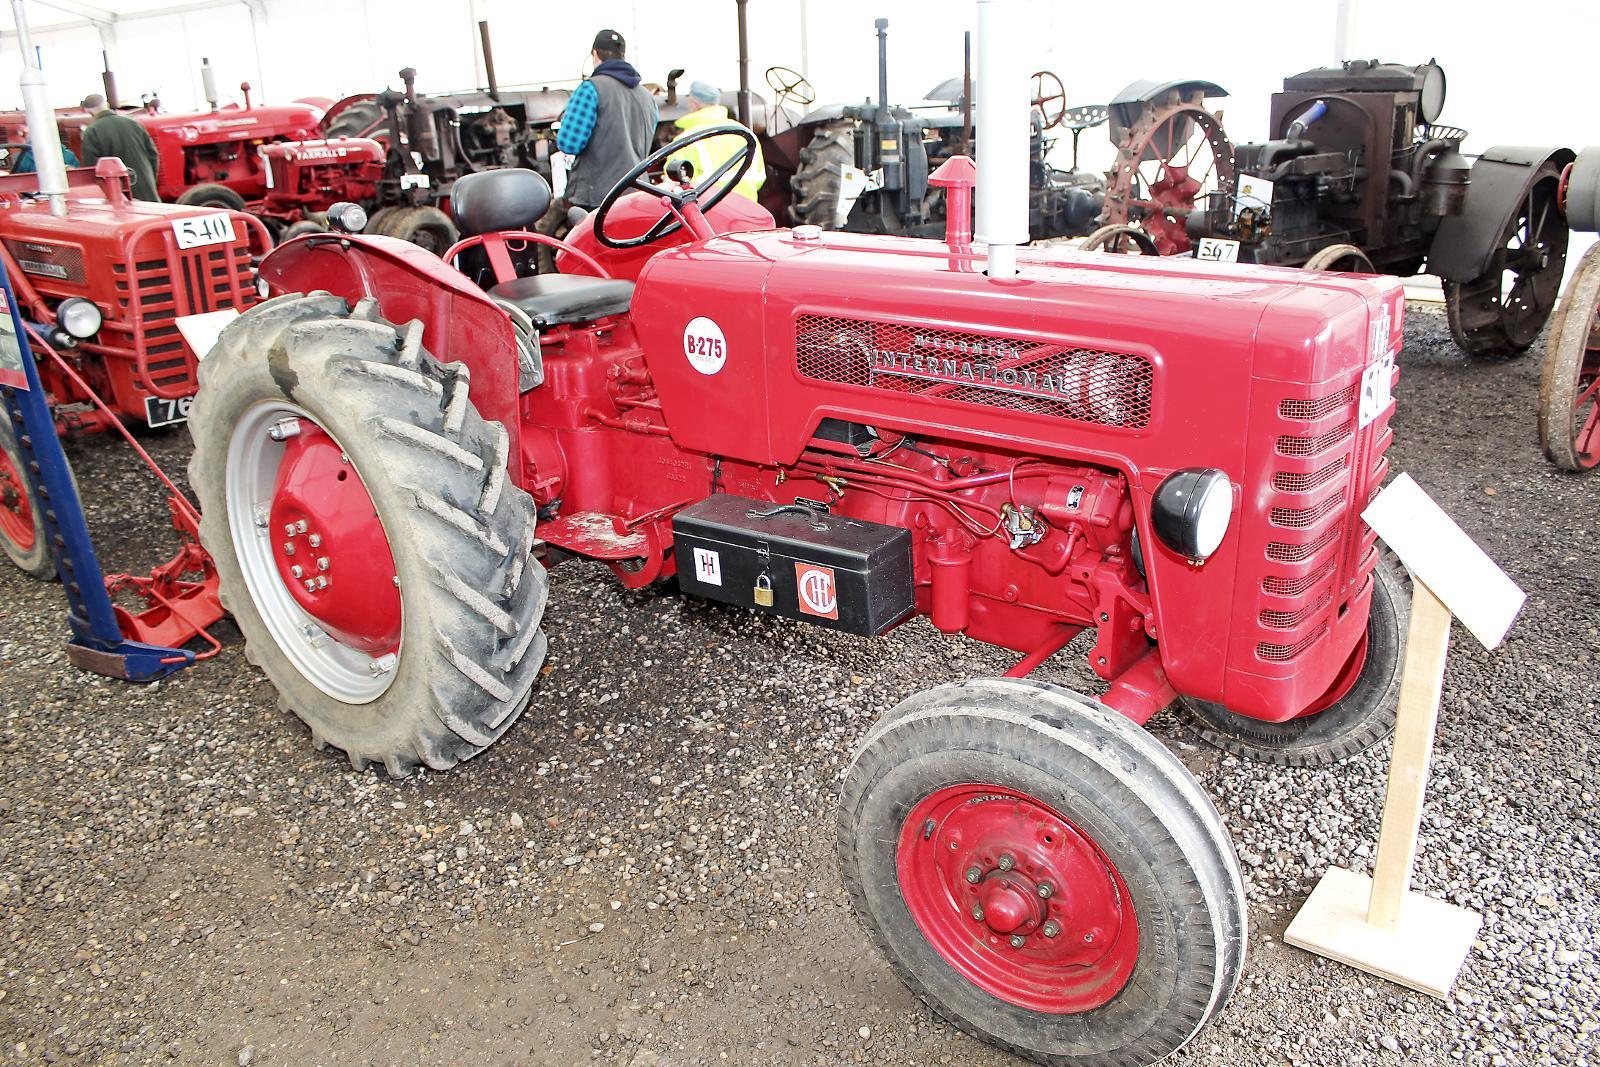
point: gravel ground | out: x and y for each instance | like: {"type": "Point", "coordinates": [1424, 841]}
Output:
{"type": "Point", "coordinates": [642, 871]}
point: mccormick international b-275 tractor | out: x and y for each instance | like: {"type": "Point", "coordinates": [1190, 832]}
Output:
{"type": "Point", "coordinates": [852, 431]}
{"type": "Point", "coordinates": [1358, 176]}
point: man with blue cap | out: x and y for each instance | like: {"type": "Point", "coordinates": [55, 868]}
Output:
{"type": "Point", "coordinates": [706, 156]}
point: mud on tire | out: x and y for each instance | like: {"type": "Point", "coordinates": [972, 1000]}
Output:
{"type": "Point", "coordinates": [461, 534]}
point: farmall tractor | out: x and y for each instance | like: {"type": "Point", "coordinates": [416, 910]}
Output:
{"type": "Point", "coordinates": [1569, 383]}
{"type": "Point", "coordinates": [851, 431]}
{"type": "Point", "coordinates": [1358, 176]}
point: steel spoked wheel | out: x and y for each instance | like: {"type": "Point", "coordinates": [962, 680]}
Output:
{"type": "Point", "coordinates": [1355, 713]}
{"type": "Point", "coordinates": [1569, 383]}
{"type": "Point", "coordinates": [1173, 156]}
{"type": "Point", "coordinates": [368, 541]}
{"type": "Point", "coordinates": [1501, 312]}
{"type": "Point", "coordinates": [1042, 873]}
{"type": "Point", "coordinates": [21, 520]}
{"type": "Point", "coordinates": [1341, 259]}
{"type": "Point", "coordinates": [983, 888]}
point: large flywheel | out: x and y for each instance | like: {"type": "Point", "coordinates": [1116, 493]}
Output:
{"type": "Point", "coordinates": [1173, 155]}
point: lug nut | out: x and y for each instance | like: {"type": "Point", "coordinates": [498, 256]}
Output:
{"type": "Point", "coordinates": [311, 587]}
{"type": "Point", "coordinates": [977, 912]}
{"type": "Point", "coordinates": [315, 539]}
{"type": "Point", "coordinates": [322, 563]}
{"type": "Point", "coordinates": [1050, 928]}
{"type": "Point", "coordinates": [288, 528]}
{"type": "Point", "coordinates": [300, 526]}
{"type": "Point", "coordinates": [973, 875]}
{"type": "Point", "coordinates": [288, 548]}
{"type": "Point", "coordinates": [1045, 890]}
{"type": "Point", "coordinates": [1017, 941]}
{"type": "Point", "coordinates": [295, 570]}
{"type": "Point", "coordinates": [322, 583]}
{"type": "Point", "coordinates": [1006, 863]}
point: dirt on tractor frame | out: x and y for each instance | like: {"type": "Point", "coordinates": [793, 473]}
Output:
{"type": "Point", "coordinates": [642, 872]}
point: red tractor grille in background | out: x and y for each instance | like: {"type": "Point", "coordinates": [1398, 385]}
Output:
{"type": "Point", "coordinates": [1038, 377]}
{"type": "Point", "coordinates": [1317, 560]}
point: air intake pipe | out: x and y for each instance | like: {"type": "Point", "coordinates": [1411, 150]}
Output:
{"type": "Point", "coordinates": [1003, 121]}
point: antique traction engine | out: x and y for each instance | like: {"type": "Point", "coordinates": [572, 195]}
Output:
{"type": "Point", "coordinates": [853, 431]}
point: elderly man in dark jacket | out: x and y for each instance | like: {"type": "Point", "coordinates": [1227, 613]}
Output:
{"type": "Point", "coordinates": [111, 134]}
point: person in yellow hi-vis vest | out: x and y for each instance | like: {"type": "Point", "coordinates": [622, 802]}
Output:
{"type": "Point", "coordinates": [706, 156]}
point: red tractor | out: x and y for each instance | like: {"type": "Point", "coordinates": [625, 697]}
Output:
{"type": "Point", "coordinates": [852, 431]}
{"type": "Point", "coordinates": [104, 286]}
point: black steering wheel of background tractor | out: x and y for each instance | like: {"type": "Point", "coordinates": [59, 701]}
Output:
{"type": "Point", "coordinates": [671, 220]}
{"type": "Point", "coordinates": [790, 84]}
{"type": "Point", "coordinates": [1049, 98]}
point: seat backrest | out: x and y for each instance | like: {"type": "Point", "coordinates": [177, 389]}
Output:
{"type": "Point", "coordinates": [511, 199]}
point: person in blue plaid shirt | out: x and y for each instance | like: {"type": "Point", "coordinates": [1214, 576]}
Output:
{"type": "Point", "coordinates": [608, 125]}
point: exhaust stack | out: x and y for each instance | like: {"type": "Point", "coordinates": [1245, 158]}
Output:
{"type": "Point", "coordinates": [208, 80]}
{"type": "Point", "coordinates": [43, 135]}
{"type": "Point", "coordinates": [1003, 109]}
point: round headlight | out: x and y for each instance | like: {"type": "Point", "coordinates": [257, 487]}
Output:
{"type": "Point", "coordinates": [347, 217]}
{"type": "Point", "coordinates": [1191, 511]}
{"type": "Point", "coordinates": [79, 317]}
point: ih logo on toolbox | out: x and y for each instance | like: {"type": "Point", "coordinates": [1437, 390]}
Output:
{"type": "Point", "coordinates": [818, 595]}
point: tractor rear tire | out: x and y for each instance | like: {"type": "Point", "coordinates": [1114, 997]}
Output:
{"type": "Point", "coordinates": [818, 184]}
{"type": "Point", "coordinates": [1001, 786]}
{"type": "Point", "coordinates": [210, 194]}
{"type": "Point", "coordinates": [22, 533]}
{"type": "Point", "coordinates": [425, 227]}
{"type": "Point", "coordinates": [471, 593]}
{"type": "Point", "coordinates": [1358, 720]}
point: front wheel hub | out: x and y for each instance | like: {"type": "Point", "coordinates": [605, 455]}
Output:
{"type": "Point", "coordinates": [1048, 925]}
{"type": "Point", "coordinates": [16, 512]}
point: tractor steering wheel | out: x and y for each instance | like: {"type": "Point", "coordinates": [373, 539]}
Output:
{"type": "Point", "coordinates": [1049, 98]}
{"type": "Point", "coordinates": [790, 84]}
{"type": "Point", "coordinates": [687, 195]}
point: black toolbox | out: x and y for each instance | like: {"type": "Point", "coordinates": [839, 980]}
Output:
{"type": "Point", "coordinates": [795, 561]}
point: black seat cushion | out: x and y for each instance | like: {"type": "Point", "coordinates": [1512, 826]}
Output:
{"type": "Point", "coordinates": [556, 299]}
{"type": "Point", "coordinates": [490, 200]}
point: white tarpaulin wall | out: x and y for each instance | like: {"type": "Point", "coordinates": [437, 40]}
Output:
{"type": "Point", "coordinates": [294, 48]}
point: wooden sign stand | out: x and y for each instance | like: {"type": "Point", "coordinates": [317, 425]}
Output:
{"type": "Point", "coordinates": [1379, 924]}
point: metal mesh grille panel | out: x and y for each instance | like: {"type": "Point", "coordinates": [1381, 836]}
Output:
{"type": "Point", "coordinates": [1288, 620]}
{"type": "Point", "coordinates": [1285, 553]}
{"type": "Point", "coordinates": [1039, 377]}
{"type": "Point", "coordinates": [1302, 518]}
{"type": "Point", "coordinates": [1317, 407]}
{"type": "Point", "coordinates": [1291, 482]}
{"type": "Point", "coordinates": [1280, 586]}
{"type": "Point", "coordinates": [1294, 445]}
{"type": "Point", "coordinates": [1282, 653]}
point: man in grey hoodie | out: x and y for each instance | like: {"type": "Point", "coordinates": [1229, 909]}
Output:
{"type": "Point", "coordinates": [608, 125]}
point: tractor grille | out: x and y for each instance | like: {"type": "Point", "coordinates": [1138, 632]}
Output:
{"type": "Point", "coordinates": [1046, 378]}
{"type": "Point", "coordinates": [163, 283]}
{"type": "Point", "coordinates": [1318, 556]}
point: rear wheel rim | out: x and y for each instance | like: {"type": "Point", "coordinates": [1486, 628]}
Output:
{"type": "Point", "coordinates": [1017, 899]}
{"type": "Point", "coordinates": [342, 631]}
{"type": "Point", "coordinates": [16, 509]}
{"type": "Point", "coordinates": [1586, 405]}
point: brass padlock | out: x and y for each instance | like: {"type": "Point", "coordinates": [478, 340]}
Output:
{"type": "Point", "coordinates": [763, 591]}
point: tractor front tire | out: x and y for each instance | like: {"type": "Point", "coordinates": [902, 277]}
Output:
{"type": "Point", "coordinates": [468, 645]}
{"type": "Point", "coordinates": [1360, 718]}
{"type": "Point", "coordinates": [300, 229]}
{"type": "Point", "coordinates": [1042, 873]}
{"type": "Point", "coordinates": [22, 533]}
{"type": "Point", "coordinates": [816, 187]}
{"type": "Point", "coordinates": [209, 194]}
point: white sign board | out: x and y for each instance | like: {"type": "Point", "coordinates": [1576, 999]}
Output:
{"type": "Point", "coordinates": [1439, 554]}
{"type": "Point", "coordinates": [1217, 250]}
{"type": "Point", "coordinates": [197, 231]}
{"type": "Point", "coordinates": [201, 331]}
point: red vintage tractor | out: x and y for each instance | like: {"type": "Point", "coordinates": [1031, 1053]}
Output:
{"type": "Point", "coordinates": [851, 431]}
{"type": "Point", "coordinates": [103, 287]}
{"type": "Point", "coordinates": [1569, 382]}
